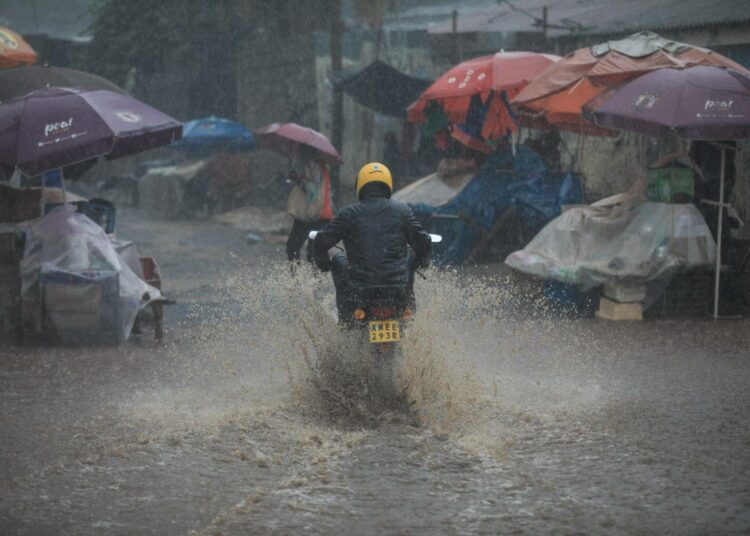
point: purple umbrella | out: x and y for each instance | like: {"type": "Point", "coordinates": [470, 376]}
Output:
{"type": "Point", "coordinates": [697, 103]}
{"type": "Point", "coordinates": [55, 127]}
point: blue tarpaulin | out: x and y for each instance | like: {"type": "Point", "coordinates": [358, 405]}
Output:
{"type": "Point", "coordinates": [504, 181]}
{"type": "Point", "coordinates": [215, 134]}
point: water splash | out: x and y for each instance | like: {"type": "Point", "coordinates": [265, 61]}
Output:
{"type": "Point", "coordinates": [469, 367]}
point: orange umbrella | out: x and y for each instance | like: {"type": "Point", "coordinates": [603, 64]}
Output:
{"type": "Point", "coordinates": [486, 77]}
{"type": "Point", "coordinates": [14, 51]}
{"type": "Point", "coordinates": [557, 95]}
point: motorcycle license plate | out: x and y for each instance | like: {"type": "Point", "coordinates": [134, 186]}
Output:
{"type": "Point", "coordinates": [384, 331]}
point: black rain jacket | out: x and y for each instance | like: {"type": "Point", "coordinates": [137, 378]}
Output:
{"type": "Point", "coordinates": [375, 231]}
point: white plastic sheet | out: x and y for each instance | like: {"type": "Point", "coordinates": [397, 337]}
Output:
{"type": "Point", "coordinates": [72, 267]}
{"type": "Point", "coordinates": [439, 188]}
{"type": "Point", "coordinates": [590, 246]}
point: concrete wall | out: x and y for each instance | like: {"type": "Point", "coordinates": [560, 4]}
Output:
{"type": "Point", "coordinates": [276, 82]}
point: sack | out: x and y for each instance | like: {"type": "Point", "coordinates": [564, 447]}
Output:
{"type": "Point", "coordinates": [305, 206]}
{"type": "Point", "coordinates": [314, 204]}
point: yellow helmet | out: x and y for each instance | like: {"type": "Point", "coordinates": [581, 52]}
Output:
{"type": "Point", "coordinates": [374, 172]}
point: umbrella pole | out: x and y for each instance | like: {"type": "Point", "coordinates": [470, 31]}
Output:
{"type": "Point", "coordinates": [718, 234]}
{"type": "Point", "coordinates": [62, 185]}
{"type": "Point", "coordinates": [41, 199]}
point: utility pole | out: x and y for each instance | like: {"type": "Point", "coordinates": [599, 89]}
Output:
{"type": "Point", "coordinates": [337, 113]}
{"type": "Point", "coordinates": [456, 43]}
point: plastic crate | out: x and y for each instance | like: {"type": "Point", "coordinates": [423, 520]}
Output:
{"type": "Point", "coordinates": [83, 306]}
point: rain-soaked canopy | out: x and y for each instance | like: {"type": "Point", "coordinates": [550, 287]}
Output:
{"type": "Point", "coordinates": [558, 94]}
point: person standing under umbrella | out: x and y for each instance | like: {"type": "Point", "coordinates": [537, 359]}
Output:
{"type": "Point", "coordinates": [310, 200]}
{"type": "Point", "coordinates": [706, 158]}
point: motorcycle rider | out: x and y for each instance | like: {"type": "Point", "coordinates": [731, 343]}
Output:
{"type": "Point", "coordinates": [375, 231]}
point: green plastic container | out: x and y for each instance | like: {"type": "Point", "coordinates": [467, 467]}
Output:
{"type": "Point", "coordinates": [670, 185]}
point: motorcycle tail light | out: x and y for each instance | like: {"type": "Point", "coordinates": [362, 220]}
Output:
{"type": "Point", "coordinates": [383, 312]}
{"type": "Point", "coordinates": [407, 314]}
{"type": "Point", "coordinates": [359, 314]}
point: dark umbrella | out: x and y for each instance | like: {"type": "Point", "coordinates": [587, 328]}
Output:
{"type": "Point", "coordinates": [285, 139]}
{"type": "Point", "coordinates": [56, 127]}
{"type": "Point", "coordinates": [19, 81]}
{"type": "Point", "coordinates": [382, 88]}
{"type": "Point", "coordinates": [698, 103]}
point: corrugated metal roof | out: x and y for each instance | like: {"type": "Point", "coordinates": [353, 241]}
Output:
{"type": "Point", "coordinates": [572, 16]}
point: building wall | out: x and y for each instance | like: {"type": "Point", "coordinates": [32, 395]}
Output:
{"type": "Point", "coordinates": [276, 83]}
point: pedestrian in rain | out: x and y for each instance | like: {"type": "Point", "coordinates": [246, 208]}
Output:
{"type": "Point", "coordinates": [706, 159]}
{"type": "Point", "coordinates": [310, 200]}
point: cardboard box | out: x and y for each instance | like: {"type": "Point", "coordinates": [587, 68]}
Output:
{"type": "Point", "coordinates": [82, 306]}
{"type": "Point", "coordinates": [670, 185]}
{"type": "Point", "coordinates": [75, 321]}
{"type": "Point", "coordinates": [80, 298]}
{"type": "Point", "coordinates": [611, 310]}
{"type": "Point", "coordinates": [625, 292]}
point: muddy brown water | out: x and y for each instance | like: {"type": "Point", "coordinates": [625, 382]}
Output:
{"type": "Point", "coordinates": [241, 424]}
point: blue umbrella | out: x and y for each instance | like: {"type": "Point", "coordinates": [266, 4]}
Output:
{"type": "Point", "coordinates": [215, 133]}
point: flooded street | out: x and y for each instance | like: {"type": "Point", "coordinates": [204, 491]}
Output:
{"type": "Point", "coordinates": [242, 423]}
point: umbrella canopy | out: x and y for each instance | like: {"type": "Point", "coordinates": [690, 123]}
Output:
{"type": "Point", "coordinates": [286, 138]}
{"type": "Point", "coordinates": [215, 133]}
{"type": "Point", "coordinates": [19, 81]}
{"type": "Point", "coordinates": [14, 51]}
{"type": "Point", "coordinates": [382, 88]}
{"type": "Point", "coordinates": [706, 103]}
{"type": "Point", "coordinates": [56, 127]}
{"type": "Point", "coordinates": [504, 71]}
{"type": "Point", "coordinates": [558, 93]}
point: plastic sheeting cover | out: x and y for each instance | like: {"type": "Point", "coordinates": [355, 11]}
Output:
{"type": "Point", "coordinates": [504, 181]}
{"type": "Point", "coordinates": [589, 246]}
{"type": "Point", "coordinates": [438, 188]}
{"type": "Point", "coordinates": [71, 264]}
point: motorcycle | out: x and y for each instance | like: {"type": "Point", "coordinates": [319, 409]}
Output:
{"type": "Point", "coordinates": [378, 316]}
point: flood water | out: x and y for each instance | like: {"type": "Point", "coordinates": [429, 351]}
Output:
{"type": "Point", "coordinates": [249, 419]}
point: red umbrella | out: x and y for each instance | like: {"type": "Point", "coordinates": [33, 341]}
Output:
{"type": "Point", "coordinates": [285, 139]}
{"type": "Point", "coordinates": [486, 76]}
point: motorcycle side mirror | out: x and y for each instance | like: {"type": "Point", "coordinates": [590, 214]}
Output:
{"type": "Point", "coordinates": [435, 238]}
{"type": "Point", "coordinates": [312, 235]}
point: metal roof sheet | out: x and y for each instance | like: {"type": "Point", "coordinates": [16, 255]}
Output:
{"type": "Point", "coordinates": [571, 16]}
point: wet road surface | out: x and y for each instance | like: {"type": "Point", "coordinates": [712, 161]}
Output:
{"type": "Point", "coordinates": [517, 425]}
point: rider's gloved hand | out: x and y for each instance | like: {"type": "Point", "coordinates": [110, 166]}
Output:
{"type": "Point", "coordinates": [414, 264]}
